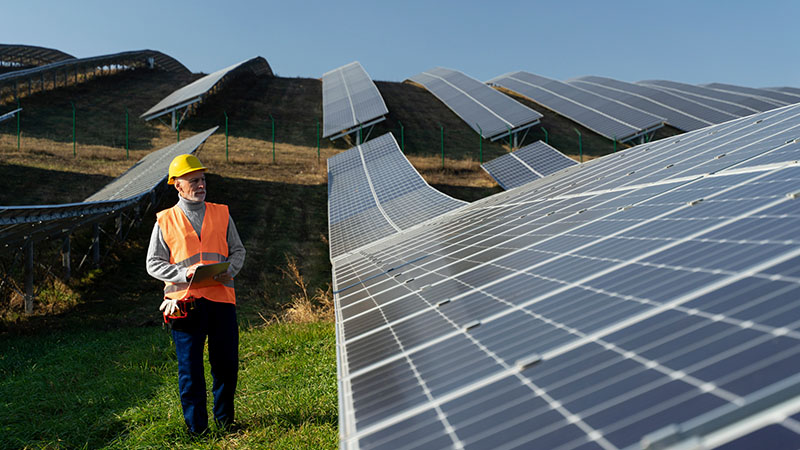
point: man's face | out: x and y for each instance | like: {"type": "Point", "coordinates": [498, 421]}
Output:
{"type": "Point", "coordinates": [192, 186]}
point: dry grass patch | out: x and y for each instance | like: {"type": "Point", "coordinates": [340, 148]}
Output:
{"type": "Point", "coordinates": [304, 308]}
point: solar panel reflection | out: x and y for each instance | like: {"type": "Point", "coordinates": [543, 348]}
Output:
{"type": "Point", "coordinates": [596, 309]}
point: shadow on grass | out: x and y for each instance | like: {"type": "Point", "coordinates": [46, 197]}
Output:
{"type": "Point", "coordinates": [47, 187]}
{"type": "Point", "coordinates": [78, 388]}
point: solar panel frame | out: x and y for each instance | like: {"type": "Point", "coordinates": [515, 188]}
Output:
{"type": "Point", "coordinates": [601, 232]}
{"type": "Point", "coordinates": [489, 112]}
{"type": "Point", "coordinates": [349, 98]}
{"type": "Point", "coordinates": [608, 118]}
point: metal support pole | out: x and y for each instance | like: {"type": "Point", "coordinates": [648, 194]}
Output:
{"type": "Point", "coordinates": [226, 135]}
{"type": "Point", "coordinates": [18, 129]}
{"type": "Point", "coordinates": [273, 138]}
{"type": "Point", "coordinates": [96, 245]}
{"type": "Point", "coordinates": [65, 257]}
{"type": "Point", "coordinates": [442, 130]}
{"type": "Point", "coordinates": [580, 143]}
{"type": "Point", "coordinates": [74, 141]}
{"type": "Point", "coordinates": [402, 138]}
{"type": "Point", "coordinates": [480, 143]}
{"type": "Point", "coordinates": [546, 137]}
{"type": "Point", "coordinates": [615, 144]}
{"type": "Point", "coordinates": [173, 119]}
{"type": "Point", "coordinates": [119, 227]}
{"type": "Point", "coordinates": [510, 148]}
{"type": "Point", "coordinates": [178, 128]}
{"type": "Point", "coordinates": [29, 277]}
{"type": "Point", "coordinates": [318, 142]}
{"type": "Point", "coordinates": [127, 136]}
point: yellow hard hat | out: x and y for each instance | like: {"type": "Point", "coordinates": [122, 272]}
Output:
{"type": "Point", "coordinates": [183, 164]}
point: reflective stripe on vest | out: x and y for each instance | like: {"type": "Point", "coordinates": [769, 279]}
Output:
{"type": "Point", "coordinates": [187, 249]}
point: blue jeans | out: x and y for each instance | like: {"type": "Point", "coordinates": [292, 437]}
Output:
{"type": "Point", "coordinates": [218, 322]}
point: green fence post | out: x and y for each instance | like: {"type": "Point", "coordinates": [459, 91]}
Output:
{"type": "Point", "coordinates": [226, 135]}
{"type": "Point", "coordinates": [480, 143]}
{"type": "Point", "coordinates": [273, 138]}
{"type": "Point", "coordinates": [127, 136]}
{"type": "Point", "coordinates": [441, 127]}
{"type": "Point", "coordinates": [580, 143]}
{"type": "Point", "coordinates": [402, 140]}
{"type": "Point", "coordinates": [546, 137]}
{"type": "Point", "coordinates": [18, 129]}
{"type": "Point", "coordinates": [318, 142]}
{"type": "Point", "coordinates": [74, 142]}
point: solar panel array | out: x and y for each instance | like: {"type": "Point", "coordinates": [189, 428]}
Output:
{"type": "Point", "coordinates": [606, 117]}
{"type": "Point", "coordinates": [30, 55]}
{"type": "Point", "coordinates": [487, 111]}
{"type": "Point", "coordinates": [738, 105]}
{"type": "Point", "coordinates": [195, 91]}
{"type": "Point", "coordinates": [349, 99]}
{"type": "Point", "coordinates": [649, 297]}
{"type": "Point", "coordinates": [160, 60]}
{"type": "Point", "coordinates": [21, 223]}
{"type": "Point", "coordinates": [779, 98]}
{"type": "Point", "coordinates": [676, 110]}
{"type": "Point", "coordinates": [526, 164]}
{"type": "Point", "coordinates": [374, 192]}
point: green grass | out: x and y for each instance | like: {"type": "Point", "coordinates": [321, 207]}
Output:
{"type": "Point", "coordinates": [118, 389]}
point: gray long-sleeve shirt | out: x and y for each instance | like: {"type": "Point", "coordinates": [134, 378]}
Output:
{"type": "Point", "coordinates": [158, 253]}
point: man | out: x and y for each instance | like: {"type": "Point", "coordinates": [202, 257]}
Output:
{"type": "Point", "coordinates": [190, 234]}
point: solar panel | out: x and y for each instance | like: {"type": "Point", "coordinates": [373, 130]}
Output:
{"type": "Point", "coordinates": [674, 116]}
{"type": "Point", "coordinates": [690, 107]}
{"type": "Point", "coordinates": [788, 90]}
{"type": "Point", "coordinates": [19, 224]}
{"type": "Point", "coordinates": [735, 104]}
{"type": "Point", "coordinates": [487, 111]}
{"type": "Point", "coordinates": [529, 163]}
{"type": "Point", "coordinates": [777, 98]}
{"type": "Point", "coordinates": [195, 91]}
{"type": "Point", "coordinates": [9, 114]}
{"type": "Point", "coordinates": [608, 118]}
{"type": "Point", "coordinates": [647, 297]}
{"type": "Point", "coordinates": [374, 192]}
{"type": "Point", "coordinates": [349, 99]}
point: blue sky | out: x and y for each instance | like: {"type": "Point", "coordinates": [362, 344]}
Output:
{"type": "Point", "coordinates": [748, 43]}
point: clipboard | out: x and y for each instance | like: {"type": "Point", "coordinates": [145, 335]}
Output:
{"type": "Point", "coordinates": [204, 275]}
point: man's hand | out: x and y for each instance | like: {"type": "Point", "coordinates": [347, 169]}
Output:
{"type": "Point", "coordinates": [169, 306]}
{"type": "Point", "coordinates": [190, 271]}
{"type": "Point", "coordinates": [224, 277]}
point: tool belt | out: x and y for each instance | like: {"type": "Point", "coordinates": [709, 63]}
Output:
{"type": "Point", "coordinates": [184, 306]}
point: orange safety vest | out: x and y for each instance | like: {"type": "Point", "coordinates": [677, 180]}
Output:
{"type": "Point", "coordinates": [187, 249]}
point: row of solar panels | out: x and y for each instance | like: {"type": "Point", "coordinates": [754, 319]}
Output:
{"type": "Point", "coordinates": [615, 109]}
{"type": "Point", "coordinates": [649, 298]}
{"type": "Point", "coordinates": [19, 224]}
